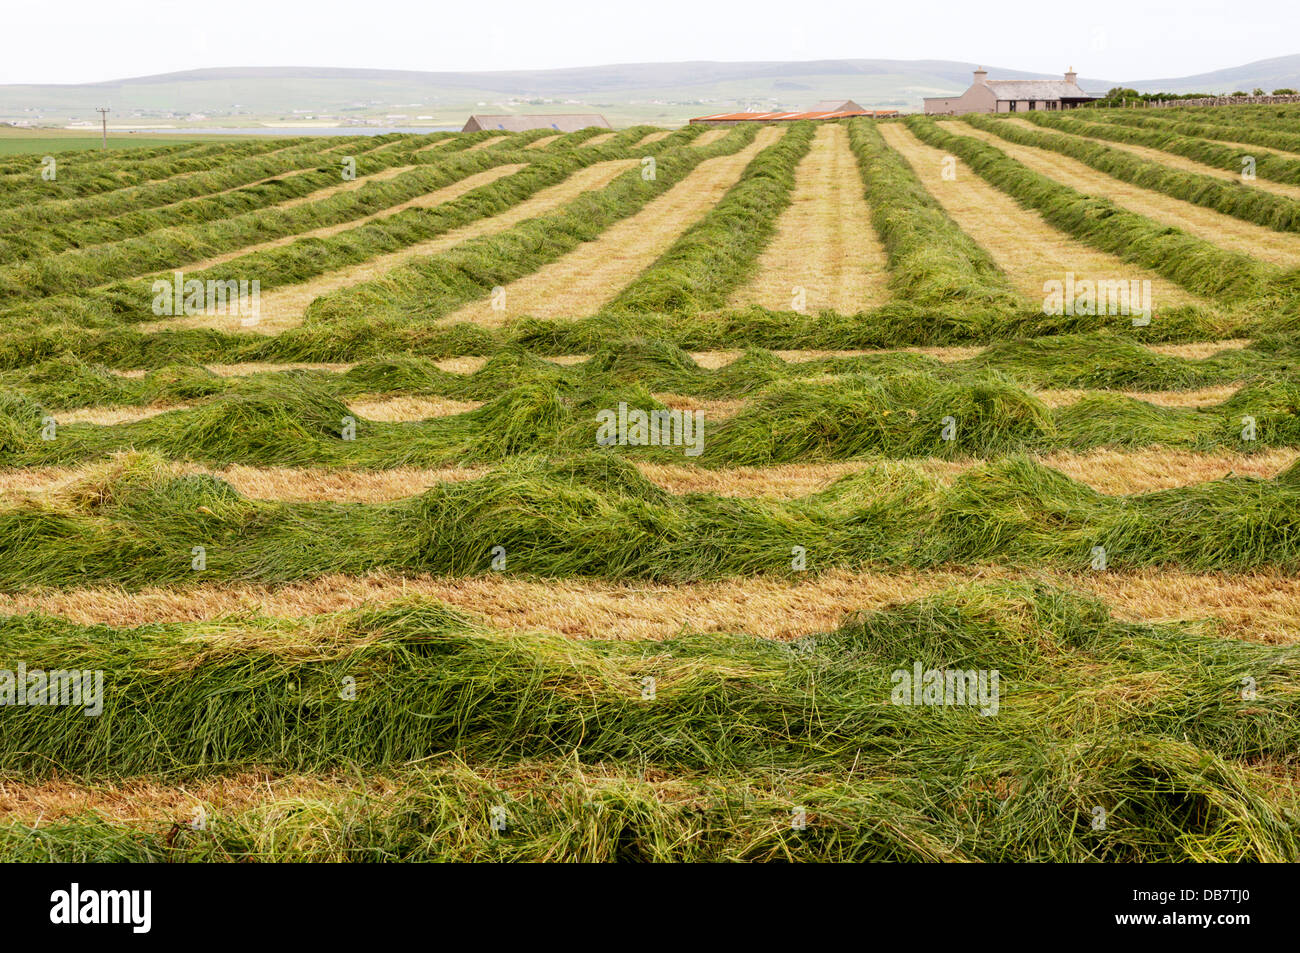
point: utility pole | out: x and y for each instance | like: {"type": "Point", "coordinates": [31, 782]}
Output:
{"type": "Point", "coordinates": [103, 121]}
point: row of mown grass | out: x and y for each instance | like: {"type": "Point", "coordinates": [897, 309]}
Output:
{"type": "Point", "coordinates": [431, 287]}
{"type": "Point", "coordinates": [1234, 198]}
{"type": "Point", "coordinates": [162, 247]}
{"type": "Point", "coordinates": [933, 263]}
{"type": "Point", "coordinates": [1164, 801]}
{"type": "Point", "coordinates": [717, 253]}
{"type": "Point", "coordinates": [16, 169]}
{"type": "Point", "coordinates": [1197, 265]}
{"type": "Point", "coordinates": [1096, 361]}
{"type": "Point", "coordinates": [363, 333]}
{"type": "Point", "coordinates": [218, 209]}
{"type": "Point", "coordinates": [292, 156]}
{"type": "Point", "coordinates": [1284, 137]}
{"type": "Point", "coordinates": [288, 419]}
{"type": "Point", "coordinates": [1272, 166]}
{"type": "Point", "coordinates": [50, 240]}
{"type": "Point", "coordinates": [1150, 723]}
{"type": "Point", "coordinates": [136, 524]}
{"type": "Point", "coordinates": [123, 170]}
{"type": "Point", "coordinates": [131, 301]}
{"type": "Point", "coordinates": [93, 332]}
{"type": "Point", "coordinates": [23, 163]}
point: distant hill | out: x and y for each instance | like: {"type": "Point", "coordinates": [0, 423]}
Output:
{"type": "Point", "coordinates": [626, 93]}
{"type": "Point", "coordinates": [1268, 75]}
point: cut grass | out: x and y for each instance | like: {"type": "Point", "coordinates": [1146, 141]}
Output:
{"type": "Point", "coordinates": [285, 308]}
{"type": "Point", "coordinates": [1090, 709]}
{"type": "Point", "coordinates": [288, 419]}
{"type": "Point", "coordinates": [716, 254]}
{"type": "Point", "coordinates": [543, 142]}
{"type": "Point", "coordinates": [294, 264]}
{"type": "Point", "coordinates": [1257, 607]}
{"type": "Point", "coordinates": [1203, 397]}
{"type": "Point", "coordinates": [1249, 149]}
{"type": "Point", "coordinates": [304, 484]}
{"type": "Point", "coordinates": [558, 810]}
{"type": "Point", "coordinates": [277, 192]}
{"type": "Point", "coordinates": [597, 516]}
{"type": "Point", "coordinates": [1090, 132]}
{"type": "Point", "coordinates": [409, 408]}
{"type": "Point", "coordinates": [107, 416]}
{"type": "Point", "coordinates": [1200, 349]}
{"type": "Point", "coordinates": [489, 143]}
{"type": "Point", "coordinates": [427, 200]}
{"type": "Point", "coordinates": [84, 180]}
{"type": "Point", "coordinates": [934, 265]}
{"type": "Point", "coordinates": [497, 588]}
{"type": "Point", "coordinates": [262, 160]}
{"type": "Point", "coordinates": [1113, 472]}
{"type": "Point", "coordinates": [709, 137]}
{"type": "Point", "coordinates": [1244, 135]}
{"type": "Point", "coordinates": [1225, 231]}
{"type": "Point", "coordinates": [1026, 247]}
{"type": "Point", "coordinates": [1200, 266]}
{"type": "Point", "coordinates": [824, 243]}
{"type": "Point", "coordinates": [167, 248]}
{"type": "Point", "coordinates": [142, 802]}
{"type": "Point", "coordinates": [432, 287]}
{"type": "Point", "coordinates": [582, 281]}
{"type": "Point", "coordinates": [358, 182]}
{"type": "Point", "coordinates": [1102, 361]}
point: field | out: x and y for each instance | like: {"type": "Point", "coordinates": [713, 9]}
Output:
{"type": "Point", "coordinates": [54, 142]}
{"type": "Point", "coordinates": [918, 490]}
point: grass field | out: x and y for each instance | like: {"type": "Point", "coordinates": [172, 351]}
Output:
{"type": "Point", "coordinates": [904, 490]}
{"type": "Point", "coordinates": [52, 142]}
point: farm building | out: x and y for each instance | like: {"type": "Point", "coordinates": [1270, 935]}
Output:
{"type": "Point", "coordinates": [730, 119]}
{"type": "Point", "coordinates": [560, 122]}
{"type": "Point", "coordinates": [835, 106]}
{"type": "Point", "coordinates": [1011, 95]}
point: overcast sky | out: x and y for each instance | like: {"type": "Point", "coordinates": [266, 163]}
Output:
{"type": "Point", "coordinates": [76, 41]}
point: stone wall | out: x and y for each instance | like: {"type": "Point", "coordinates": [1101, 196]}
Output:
{"type": "Point", "coordinates": [1224, 101]}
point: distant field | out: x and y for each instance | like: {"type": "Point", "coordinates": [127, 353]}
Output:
{"type": "Point", "coordinates": [47, 142]}
{"type": "Point", "coordinates": [750, 493]}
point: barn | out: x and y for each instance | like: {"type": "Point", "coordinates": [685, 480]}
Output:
{"type": "Point", "coordinates": [836, 106]}
{"type": "Point", "coordinates": [514, 122]}
{"type": "Point", "coordinates": [1011, 95]}
{"type": "Point", "coordinates": [730, 119]}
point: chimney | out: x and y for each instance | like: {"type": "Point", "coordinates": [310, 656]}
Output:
{"type": "Point", "coordinates": [1071, 76]}
{"type": "Point", "coordinates": [981, 74]}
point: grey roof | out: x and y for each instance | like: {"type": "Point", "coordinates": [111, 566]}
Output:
{"type": "Point", "coordinates": [1036, 89]}
{"type": "Point", "coordinates": [835, 106]}
{"type": "Point", "coordinates": [561, 122]}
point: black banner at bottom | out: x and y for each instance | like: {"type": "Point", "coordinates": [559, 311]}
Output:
{"type": "Point", "coordinates": [1223, 904]}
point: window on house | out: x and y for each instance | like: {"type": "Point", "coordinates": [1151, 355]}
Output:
{"type": "Point", "coordinates": [1011, 107]}
{"type": "Point", "coordinates": [1033, 105]}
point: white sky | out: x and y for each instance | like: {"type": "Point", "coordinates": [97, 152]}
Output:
{"type": "Point", "coordinates": [74, 41]}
